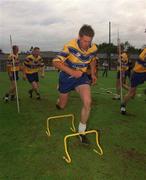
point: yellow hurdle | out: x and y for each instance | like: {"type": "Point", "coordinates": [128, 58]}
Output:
{"type": "Point", "coordinates": [67, 158]}
{"type": "Point", "coordinates": [60, 117]}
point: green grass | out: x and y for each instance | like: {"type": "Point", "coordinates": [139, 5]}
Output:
{"type": "Point", "coordinates": [26, 152]}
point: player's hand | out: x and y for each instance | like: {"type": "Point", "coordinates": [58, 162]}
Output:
{"type": "Point", "coordinates": [94, 79]}
{"type": "Point", "coordinates": [77, 73]}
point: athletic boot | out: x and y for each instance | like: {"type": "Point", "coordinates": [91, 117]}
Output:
{"type": "Point", "coordinates": [123, 109]}
{"type": "Point", "coordinates": [84, 140]}
{"type": "Point", "coordinates": [58, 107]}
{"type": "Point", "coordinates": [6, 98]}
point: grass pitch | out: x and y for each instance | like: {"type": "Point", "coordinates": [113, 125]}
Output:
{"type": "Point", "coordinates": [26, 152]}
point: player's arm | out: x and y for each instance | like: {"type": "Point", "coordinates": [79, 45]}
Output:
{"type": "Point", "coordinates": [63, 67]}
{"type": "Point", "coordinates": [9, 65]}
{"type": "Point", "coordinates": [93, 71]}
{"type": "Point", "coordinates": [24, 67]}
{"type": "Point", "coordinates": [42, 68]}
{"type": "Point", "coordinates": [59, 63]}
{"type": "Point", "coordinates": [42, 71]}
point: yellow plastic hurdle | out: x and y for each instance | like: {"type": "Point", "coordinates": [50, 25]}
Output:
{"type": "Point", "coordinates": [60, 117]}
{"type": "Point", "coordinates": [68, 158]}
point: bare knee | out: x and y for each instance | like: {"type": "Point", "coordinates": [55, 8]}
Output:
{"type": "Point", "coordinates": [62, 101]}
{"type": "Point", "coordinates": [132, 94]}
{"type": "Point", "coordinates": [34, 85]}
{"type": "Point", "coordinates": [61, 105]}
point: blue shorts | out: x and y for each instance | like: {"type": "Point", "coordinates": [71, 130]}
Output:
{"type": "Point", "coordinates": [32, 77]}
{"type": "Point", "coordinates": [68, 83]}
{"type": "Point", "coordinates": [128, 74]}
{"type": "Point", "coordinates": [138, 78]}
{"type": "Point", "coordinates": [12, 77]}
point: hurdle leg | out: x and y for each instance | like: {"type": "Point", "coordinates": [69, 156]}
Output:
{"type": "Point", "coordinates": [67, 158]}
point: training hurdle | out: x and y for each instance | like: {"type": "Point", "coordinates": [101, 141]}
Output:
{"type": "Point", "coordinates": [68, 158]}
{"type": "Point", "coordinates": [71, 116]}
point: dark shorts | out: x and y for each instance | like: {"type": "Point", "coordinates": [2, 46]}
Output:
{"type": "Point", "coordinates": [14, 75]}
{"type": "Point", "coordinates": [128, 74]}
{"type": "Point", "coordinates": [122, 73]}
{"type": "Point", "coordinates": [137, 78]}
{"type": "Point", "coordinates": [32, 77]}
{"type": "Point", "coordinates": [68, 83]}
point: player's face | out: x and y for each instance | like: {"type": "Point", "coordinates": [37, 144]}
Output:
{"type": "Point", "coordinates": [36, 52]}
{"type": "Point", "coordinates": [85, 42]}
{"type": "Point", "coordinates": [15, 50]}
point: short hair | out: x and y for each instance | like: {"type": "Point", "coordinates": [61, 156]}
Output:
{"type": "Point", "coordinates": [36, 48]}
{"type": "Point", "coordinates": [14, 47]}
{"type": "Point", "coordinates": [86, 30]}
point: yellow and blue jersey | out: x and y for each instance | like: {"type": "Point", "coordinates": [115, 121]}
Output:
{"type": "Point", "coordinates": [140, 65]}
{"type": "Point", "coordinates": [33, 64]}
{"type": "Point", "coordinates": [124, 63]}
{"type": "Point", "coordinates": [74, 57]}
{"type": "Point", "coordinates": [13, 63]}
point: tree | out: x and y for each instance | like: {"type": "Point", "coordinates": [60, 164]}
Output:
{"type": "Point", "coordinates": [1, 51]}
{"type": "Point", "coordinates": [107, 48]}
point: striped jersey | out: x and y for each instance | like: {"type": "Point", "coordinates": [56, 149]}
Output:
{"type": "Point", "coordinates": [140, 65]}
{"type": "Point", "coordinates": [74, 57]}
{"type": "Point", "coordinates": [33, 64]}
{"type": "Point", "coordinates": [13, 63]}
{"type": "Point", "coordinates": [124, 63]}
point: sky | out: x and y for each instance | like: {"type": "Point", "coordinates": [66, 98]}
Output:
{"type": "Point", "coordinates": [50, 24]}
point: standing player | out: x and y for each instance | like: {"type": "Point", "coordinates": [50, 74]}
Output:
{"type": "Point", "coordinates": [13, 67]}
{"type": "Point", "coordinates": [73, 61]}
{"type": "Point", "coordinates": [138, 77]}
{"type": "Point", "coordinates": [34, 64]}
{"type": "Point", "coordinates": [121, 73]}
{"type": "Point", "coordinates": [105, 68]}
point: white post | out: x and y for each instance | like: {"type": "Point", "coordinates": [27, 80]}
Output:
{"type": "Point", "coordinates": [17, 97]}
{"type": "Point", "coordinates": [119, 58]}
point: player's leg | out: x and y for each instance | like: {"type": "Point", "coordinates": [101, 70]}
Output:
{"type": "Point", "coordinates": [136, 79]}
{"type": "Point", "coordinates": [85, 94]}
{"type": "Point", "coordinates": [62, 100]}
{"type": "Point", "coordinates": [118, 85]}
{"type": "Point", "coordinates": [34, 81]}
{"type": "Point", "coordinates": [66, 84]}
{"type": "Point", "coordinates": [131, 93]}
{"type": "Point", "coordinates": [35, 88]}
{"type": "Point", "coordinates": [12, 89]}
{"type": "Point", "coordinates": [124, 80]}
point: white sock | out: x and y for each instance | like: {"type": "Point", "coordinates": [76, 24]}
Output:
{"type": "Point", "coordinates": [82, 127]}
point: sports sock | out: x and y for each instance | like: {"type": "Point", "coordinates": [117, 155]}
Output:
{"type": "Point", "coordinates": [82, 127]}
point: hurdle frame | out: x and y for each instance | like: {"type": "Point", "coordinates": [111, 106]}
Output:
{"type": "Point", "coordinates": [67, 158]}
{"type": "Point", "coordinates": [73, 129]}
